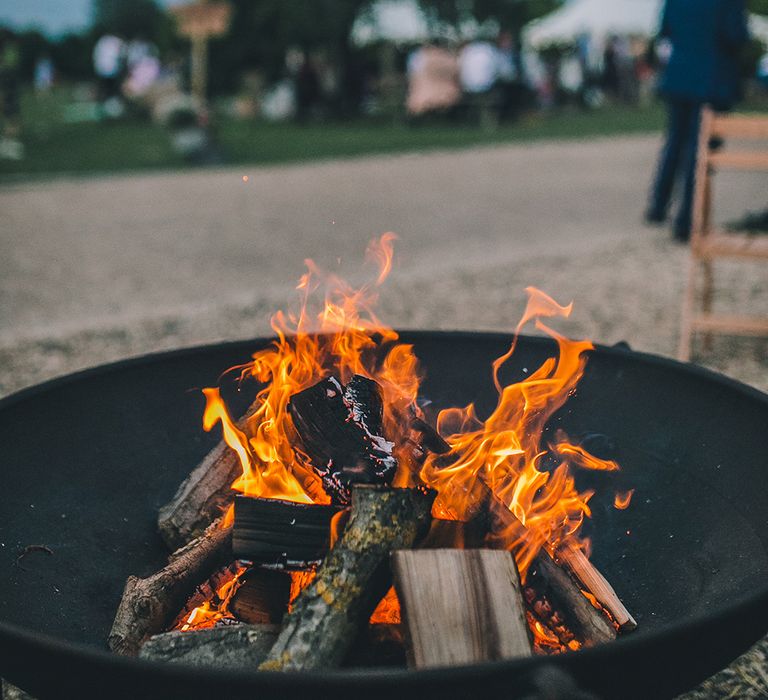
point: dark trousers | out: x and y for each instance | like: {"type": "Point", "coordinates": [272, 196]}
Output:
{"type": "Point", "coordinates": [678, 160]}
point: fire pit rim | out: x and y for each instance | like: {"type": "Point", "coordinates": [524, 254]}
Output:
{"type": "Point", "coordinates": [619, 349]}
{"type": "Point", "coordinates": [28, 640]}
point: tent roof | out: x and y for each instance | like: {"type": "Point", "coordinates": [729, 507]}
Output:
{"type": "Point", "coordinates": [595, 17]}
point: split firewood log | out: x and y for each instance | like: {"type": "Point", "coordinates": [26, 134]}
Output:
{"type": "Point", "coordinates": [326, 616]}
{"type": "Point", "coordinates": [460, 606]}
{"type": "Point", "coordinates": [150, 604]}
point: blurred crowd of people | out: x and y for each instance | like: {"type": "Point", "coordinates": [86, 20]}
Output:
{"type": "Point", "coordinates": [500, 79]}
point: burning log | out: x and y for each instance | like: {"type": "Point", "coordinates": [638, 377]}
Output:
{"type": "Point", "coordinates": [281, 533]}
{"type": "Point", "coordinates": [262, 597]}
{"type": "Point", "coordinates": [585, 571]}
{"type": "Point", "coordinates": [460, 606]}
{"type": "Point", "coordinates": [341, 432]}
{"type": "Point", "coordinates": [589, 624]}
{"type": "Point", "coordinates": [566, 589]}
{"type": "Point", "coordinates": [203, 495]}
{"type": "Point", "coordinates": [148, 605]}
{"type": "Point", "coordinates": [323, 624]}
{"type": "Point", "coordinates": [234, 647]}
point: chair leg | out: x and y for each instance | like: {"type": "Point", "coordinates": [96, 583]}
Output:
{"type": "Point", "coordinates": [686, 317]}
{"type": "Point", "coordinates": [706, 298]}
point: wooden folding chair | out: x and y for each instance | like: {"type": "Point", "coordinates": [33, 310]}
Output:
{"type": "Point", "coordinates": [709, 243]}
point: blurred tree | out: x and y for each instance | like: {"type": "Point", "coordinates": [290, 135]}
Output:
{"type": "Point", "coordinates": [132, 19]}
{"type": "Point", "coordinates": [261, 32]}
{"type": "Point", "coordinates": [32, 46]}
{"type": "Point", "coordinates": [759, 6]}
{"type": "Point", "coordinates": [71, 56]}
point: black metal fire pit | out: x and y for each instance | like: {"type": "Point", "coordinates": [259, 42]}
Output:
{"type": "Point", "coordinates": [86, 461]}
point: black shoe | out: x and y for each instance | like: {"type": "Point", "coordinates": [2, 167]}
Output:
{"type": "Point", "coordinates": [681, 233]}
{"type": "Point", "coordinates": [653, 217]}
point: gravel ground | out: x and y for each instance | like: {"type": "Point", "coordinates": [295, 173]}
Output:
{"type": "Point", "coordinates": [83, 283]}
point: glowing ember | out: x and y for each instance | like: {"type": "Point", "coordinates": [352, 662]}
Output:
{"type": "Point", "coordinates": [336, 332]}
{"type": "Point", "coordinates": [215, 610]}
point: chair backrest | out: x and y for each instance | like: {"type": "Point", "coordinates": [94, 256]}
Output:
{"type": "Point", "coordinates": [738, 127]}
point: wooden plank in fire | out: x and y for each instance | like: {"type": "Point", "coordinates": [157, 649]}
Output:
{"type": "Point", "coordinates": [460, 606]}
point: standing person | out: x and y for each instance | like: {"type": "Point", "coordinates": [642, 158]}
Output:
{"type": "Point", "coordinates": [109, 56]}
{"type": "Point", "coordinates": [706, 37]}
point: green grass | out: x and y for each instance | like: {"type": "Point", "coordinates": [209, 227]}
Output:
{"type": "Point", "coordinates": [54, 146]}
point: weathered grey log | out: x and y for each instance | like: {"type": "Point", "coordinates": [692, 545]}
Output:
{"type": "Point", "coordinates": [150, 604]}
{"type": "Point", "coordinates": [11, 692]}
{"type": "Point", "coordinates": [236, 647]}
{"type": "Point", "coordinates": [327, 614]}
{"type": "Point", "coordinates": [460, 606]}
{"type": "Point", "coordinates": [203, 495]}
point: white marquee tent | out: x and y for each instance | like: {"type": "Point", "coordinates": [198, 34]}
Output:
{"type": "Point", "coordinates": [600, 18]}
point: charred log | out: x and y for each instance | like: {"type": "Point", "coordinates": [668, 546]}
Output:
{"type": "Point", "coordinates": [280, 533]}
{"type": "Point", "coordinates": [568, 592]}
{"type": "Point", "coordinates": [341, 433]}
{"type": "Point", "coordinates": [378, 645]}
{"type": "Point", "coordinates": [590, 625]}
{"type": "Point", "coordinates": [262, 597]}
{"type": "Point", "coordinates": [150, 604]}
{"type": "Point", "coordinates": [594, 582]}
{"type": "Point", "coordinates": [234, 647]}
{"type": "Point", "coordinates": [326, 616]}
{"type": "Point", "coordinates": [206, 592]}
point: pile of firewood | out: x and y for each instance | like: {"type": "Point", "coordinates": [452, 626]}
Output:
{"type": "Point", "coordinates": [458, 605]}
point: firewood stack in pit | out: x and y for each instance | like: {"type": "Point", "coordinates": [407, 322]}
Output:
{"type": "Point", "coordinates": [296, 586]}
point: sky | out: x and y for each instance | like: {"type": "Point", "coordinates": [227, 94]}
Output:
{"type": "Point", "coordinates": [53, 17]}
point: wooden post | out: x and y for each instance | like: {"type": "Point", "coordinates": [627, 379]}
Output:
{"type": "Point", "coordinates": [199, 21]}
{"type": "Point", "coordinates": [199, 68]}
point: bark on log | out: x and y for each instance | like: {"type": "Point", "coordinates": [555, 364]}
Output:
{"type": "Point", "coordinates": [150, 604]}
{"type": "Point", "coordinates": [203, 495]}
{"type": "Point", "coordinates": [460, 606]}
{"type": "Point", "coordinates": [233, 647]}
{"type": "Point", "coordinates": [281, 533]}
{"type": "Point", "coordinates": [326, 616]}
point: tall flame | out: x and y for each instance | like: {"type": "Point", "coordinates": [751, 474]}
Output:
{"type": "Point", "coordinates": [341, 335]}
{"type": "Point", "coordinates": [335, 331]}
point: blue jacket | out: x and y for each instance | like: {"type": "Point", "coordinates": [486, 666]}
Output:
{"type": "Point", "coordinates": [707, 37]}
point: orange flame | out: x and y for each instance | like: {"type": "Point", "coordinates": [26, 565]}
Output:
{"type": "Point", "coordinates": [214, 610]}
{"type": "Point", "coordinates": [505, 451]}
{"type": "Point", "coordinates": [341, 335]}
{"type": "Point", "coordinates": [336, 332]}
{"type": "Point", "coordinates": [622, 500]}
